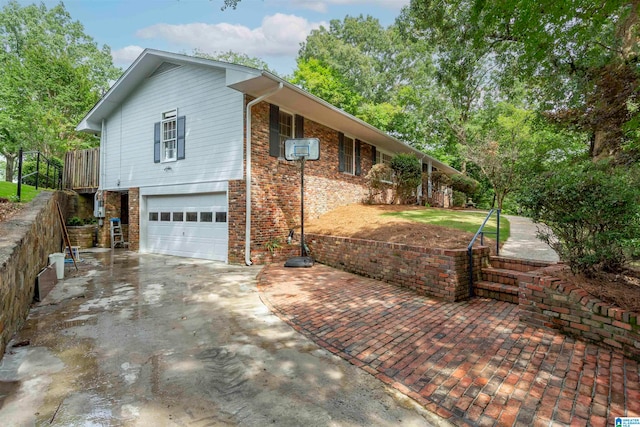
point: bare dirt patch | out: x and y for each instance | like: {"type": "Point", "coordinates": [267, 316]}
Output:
{"type": "Point", "coordinates": [368, 222]}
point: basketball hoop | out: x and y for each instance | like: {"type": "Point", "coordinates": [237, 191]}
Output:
{"type": "Point", "coordinates": [301, 149]}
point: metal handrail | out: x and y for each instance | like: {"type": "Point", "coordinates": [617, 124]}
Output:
{"type": "Point", "coordinates": [39, 157]}
{"type": "Point", "coordinates": [481, 233]}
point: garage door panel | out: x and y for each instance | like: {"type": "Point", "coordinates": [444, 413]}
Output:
{"type": "Point", "coordinates": [185, 225]}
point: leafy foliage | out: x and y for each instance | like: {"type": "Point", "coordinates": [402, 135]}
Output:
{"type": "Point", "coordinates": [377, 181]}
{"type": "Point", "coordinates": [592, 212]}
{"type": "Point", "coordinates": [53, 73]}
{"type": "Point", "coordinates": [459, 198]}
{"type": "Point", "coordinates": [407, 176]}
{"type": "Point", "coordinates": [464, 184]}
{"type": "Point", "coordinates": [236, 58]}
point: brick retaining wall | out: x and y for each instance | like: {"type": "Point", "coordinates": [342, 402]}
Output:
{"type": "Point", "coordinates": [441, 273]}
{"type": "Point", "coordinates": [552, 303]}
{"type": "Point", "coordinates": [27, 240]}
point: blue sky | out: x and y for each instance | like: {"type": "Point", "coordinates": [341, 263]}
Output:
{"type": "Point", "coordinates": [269, 29]}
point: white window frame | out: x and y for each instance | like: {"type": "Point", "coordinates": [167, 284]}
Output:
{"type": "Point", "coordinates": [169, 136]}
{"type": "Point", "coordinates": [349, 155]}
{"type": "Point", "coordinates": [384, 158]}
{"type": "Point", "coordinates": [284, 137]}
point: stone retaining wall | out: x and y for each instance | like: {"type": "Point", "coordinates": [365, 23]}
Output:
{"type": "Point", "coordinates": [26, 241]}
{"type": "Point", "coordinates": [441, 273]}
{"type": "Point", "coordinates": [552, 303]}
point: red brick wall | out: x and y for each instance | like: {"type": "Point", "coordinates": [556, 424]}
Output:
{"type": "Point", "coordinates": [276, 189]}
{"type": "Point", "coordinates": [551, 303]}
{"type": "Point", "coordinates": [441, 273]}
{"type": "Point", "coordinates": [111, 210]}
{"type": "Point", "coordinates": [134, 219]}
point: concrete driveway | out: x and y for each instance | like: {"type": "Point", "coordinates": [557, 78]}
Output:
{"type": "Point", "coordinates": [141, 340]}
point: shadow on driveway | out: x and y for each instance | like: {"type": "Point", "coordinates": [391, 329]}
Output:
{"type": "Point", "coordinates": [141, 340]}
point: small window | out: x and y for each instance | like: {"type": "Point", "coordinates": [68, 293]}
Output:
{"type": "Point", "coordinates": [192, 216]}
{"type": "Point", "coordinates": [153, 216]}
{"type": "Point", "coordinates": [169, 134]}
{"type": "Point", "coordinates": [178, 216]}
{"type": "Point", "coordinates": [286, 130]}
{"type": "Point", "coordinates": [384, 158]}
{"type": "Point", "coordinates": [165, 216]}
{"type": "Point", "coordinates": [206, 216]}
{"type": "Point", "coordinates": [221, 217]}
{"type": "Point", "coordinates": [348, 155]}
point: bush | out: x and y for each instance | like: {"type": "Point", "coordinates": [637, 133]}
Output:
{"type": "Point", "coordinates": [592, 213]}
{"type": "Point", "coordinates": [407, 175]}
{"type": "Point", "coordinates": [459, 198]}
{"type": "Point", "coordinates": [377, 180]}
{"type": "Point", "coordinates": [438, 179]}
{"type": "Point", "coordinates": [464, 184]}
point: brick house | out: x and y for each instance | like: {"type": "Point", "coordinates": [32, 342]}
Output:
{"type": "Point", "coordinates": [183, 140]}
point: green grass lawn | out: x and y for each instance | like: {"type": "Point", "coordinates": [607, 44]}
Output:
{"type": "Point", "coordinates": [460, 220]}
{"type": "Point", "coordinates": [8, 191]}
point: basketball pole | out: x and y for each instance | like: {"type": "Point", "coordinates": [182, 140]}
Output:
{"type": "Point", "coordinates": [302, 162]}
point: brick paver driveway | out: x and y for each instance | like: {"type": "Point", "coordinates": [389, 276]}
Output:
{"type": "Point", "coordinates": [472, 361]}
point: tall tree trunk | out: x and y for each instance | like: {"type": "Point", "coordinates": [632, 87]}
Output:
{"type": "Point", "coordinates": [8, 172]}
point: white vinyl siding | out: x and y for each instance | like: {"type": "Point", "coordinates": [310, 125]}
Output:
{"type": "Point", "coordinates": [214, 131]}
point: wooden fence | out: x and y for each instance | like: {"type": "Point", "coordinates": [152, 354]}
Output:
{"type": "Point", "coordinates": [81, 170]}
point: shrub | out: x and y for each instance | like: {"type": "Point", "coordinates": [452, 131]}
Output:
{"type": "Point", "coordinates": [407, 176]}
{"type": "Point", "coordinates": [75, 222]}
{"type": "Point", "coordinates": [378, 179]}
{"type": "Point", "coordinates": [591, 212]}
{"type": "Point", "coordinates": [459, 198]}
{"type": "Point", "coordinates": [464, 184]}
{"type": "Point", "coordinates": [438, 179]}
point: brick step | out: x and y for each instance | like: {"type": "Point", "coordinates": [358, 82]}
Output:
{"type": "Point", "coordinates": [500, 275]}
{"type": "Point", "coordinates": [498, 291]}
{"type": "Point", "coordinates": [517, 264]}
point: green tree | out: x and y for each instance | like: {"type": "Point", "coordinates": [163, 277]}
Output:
{"type": "Point", "coordinates": [591, 211]}
{"type": "Point", "coordinates": [53, 73]}
{"type": "Point", "coordinates": [326, 83]}
{"type": "Point", "coordinates": [407, 176]}
{"type": "Point", "coordinates": [580, 57]}
{"type": "Point", "coordinates": [235, 58]}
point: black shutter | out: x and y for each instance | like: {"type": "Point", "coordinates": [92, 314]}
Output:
{"type": "Point", "coordinates": [357, 155]}
{"type": "Point", "coordinates": [373, 155]}
{"type": "Point", "coordinates": [156, 142]}
{"type": "Point", "coordinates": [299, 125]}
{"type": "Point", "coordinates": [340, 152]}
{"type": "Point", "coordinates": [181, 133]}
{"type": "Point", "coordinates": [274, 131]}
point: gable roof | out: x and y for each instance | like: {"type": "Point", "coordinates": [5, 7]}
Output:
{"type": "Point", "coordinates": [255, 83]}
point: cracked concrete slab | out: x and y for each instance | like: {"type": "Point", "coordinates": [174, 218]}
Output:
{"type": "Point", "coordinates": [138, 340]}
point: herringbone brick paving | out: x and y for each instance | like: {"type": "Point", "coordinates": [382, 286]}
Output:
{"type": "Point", "coordinates": [471, 362]}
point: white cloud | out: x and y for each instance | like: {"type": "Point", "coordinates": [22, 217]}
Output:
{"type": "Point", "coordinates": [126, 55]}
{"type": "Point", "coordinates": [278, 35]}
{"type": "Point", "coordinates": [323, 5]}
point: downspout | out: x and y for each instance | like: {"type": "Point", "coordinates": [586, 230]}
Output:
{"type": "Point", "coordinates": [247, 232]}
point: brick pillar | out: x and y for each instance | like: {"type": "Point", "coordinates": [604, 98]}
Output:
{"type": "Point", "coordinates": [134, 219]}
{"type": "Point", "coordinates": [111, 210]}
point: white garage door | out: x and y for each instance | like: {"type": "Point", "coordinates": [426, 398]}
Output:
{"type": "Point", "coordinates": [193, 225]}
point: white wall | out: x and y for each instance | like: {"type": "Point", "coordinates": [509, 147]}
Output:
{"type": "Point", "coordinates": [214, 131]}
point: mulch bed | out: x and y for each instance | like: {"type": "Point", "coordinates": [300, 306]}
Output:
{"type": "Point", "coordinates": [8, 208]}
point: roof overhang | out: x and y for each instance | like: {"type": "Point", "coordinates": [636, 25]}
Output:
{"type": "Point", "coordinates": [254, 83]}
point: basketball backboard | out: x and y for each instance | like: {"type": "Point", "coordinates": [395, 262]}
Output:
{"type": "Point", "coordinates": [298, 148]}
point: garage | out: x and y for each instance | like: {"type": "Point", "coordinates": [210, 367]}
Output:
{"type": "Point", "coordinates": [192, 225]}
